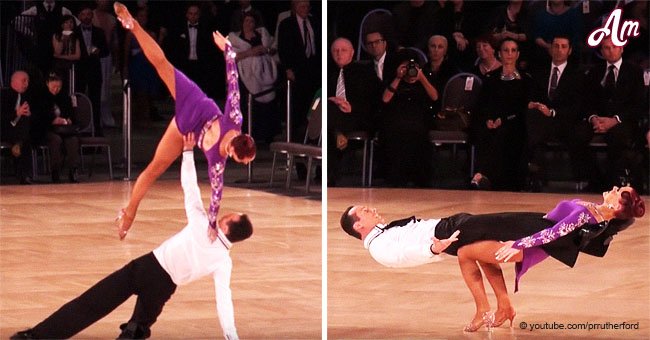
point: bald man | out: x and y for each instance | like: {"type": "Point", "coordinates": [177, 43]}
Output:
{"type": "Point", "coordinates": [353, 87]}
{"type": "Point", "coordinates": [16, 118]}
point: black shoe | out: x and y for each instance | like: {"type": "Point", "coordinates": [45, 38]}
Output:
{"type": "Point", "coordinates": [72, 176]}
{"type": "Point", "coordinates": [56, 178]}
{"type": "Point", "coordinates": [133, 330]}
{"type": "Point", "coordinates": [26, 181]}
{"type": "Point", "coordinates": [26, 334]}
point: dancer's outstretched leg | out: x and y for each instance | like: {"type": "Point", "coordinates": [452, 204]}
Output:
{"type": "Point", "coordinates": [171, 144]}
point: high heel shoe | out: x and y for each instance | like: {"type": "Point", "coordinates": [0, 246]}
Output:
{"type": "Point", "coordinates": [123, 221]}
{"type": "Point", "coordinates": [123, 15]}
{"type": "Point", "coordinates": [487, 319]}
{"type": "Point", "coordinates": [509, 315]}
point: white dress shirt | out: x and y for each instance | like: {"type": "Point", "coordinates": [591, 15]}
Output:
{"type": "Point", "coordinates": [379, 66]}
{"type": "Point", "coordinates": [189, 255]}
{"type": "Point", "coordinates": [402, 247]}
{"type": "Point", "coordinates": [192, 32]}
{"type": "Point", "coordinates": [560, 70]}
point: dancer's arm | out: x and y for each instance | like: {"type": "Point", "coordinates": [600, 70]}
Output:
{"type": "Point", "coordinates": [223, 295]}
{"type": "Point", "coordinates": [232, 109]}
{"type": "Point", "coordinates": [150, 48]}
{"type": "Point", "coordinates": [193, 202]}
{"type": "Point", "coordinates": [576, 217]}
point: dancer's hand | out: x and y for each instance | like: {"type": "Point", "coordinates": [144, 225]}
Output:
{"type": "Point", "coordinates": [188, 142]}
{"type": "Point", "coordinates": [438, 246]}
{"type": "Point", "coordinates": [219, 40]}
{"type": "Point", "coordinates": [124, 222]}
{"type": "Point", "coordinates": [123, 15]}
{"type": "Point", "coordinates": [212, 234]}
{"type": "Point", "coordinates": [506, 252]}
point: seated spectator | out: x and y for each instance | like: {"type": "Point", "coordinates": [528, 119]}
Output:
{"type": "Point", "coordinates": [65, 44]}
{"type": "Point", "coordinates": [439, 70]}
{"type": "Point", "coordinates": [487, 59]}
{"type": "Point", "coordinates": [405, 124]}
{"type": "Point", "coordinates": [558, 18]}
{"type": "Point", "coordinates": [353, 86]}
{"type": "Point", "coordinates": [615, 97]}
{"type": "Point", "coordinates": [512, 21]}
{"type": "Point", "coordinates": [554, 115]}
{"type": "Point", "coordinates": [257, 73]}
{"type": "Point", "coordinates": [53, 125]}
{"type": "Point", "coordinates": [16, 123]}
{"type": "Point", "coordinates": [498, 126]}
{"type": "Point", "coordinates": [383, 60]}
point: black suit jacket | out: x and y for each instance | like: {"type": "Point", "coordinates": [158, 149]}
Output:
{"type": "Point", "coordinates": [568, 96]}
{"type": "Point", "coordinates": [89, 64]}
{"type": "Point", "coordinates": [8, 100]}
{"type": "Point", "coordinates": [179, 47]}
{"type": "Point", "coordinates": [291, 46]}
{"type": "Point", "coordinates": [627, 99]}
{"type": "Point", "coordinates": [361, 86]}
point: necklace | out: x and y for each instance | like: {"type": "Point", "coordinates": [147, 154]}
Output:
{"type": "Point", "coordinates": [511, 76]}
{"type": "Point", "coordinates": [487, 69]}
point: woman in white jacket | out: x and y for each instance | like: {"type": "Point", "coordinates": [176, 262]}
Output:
{"type": "Point", "coordinates": [258, 74]}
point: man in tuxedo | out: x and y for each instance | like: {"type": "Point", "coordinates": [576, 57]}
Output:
{"type": "Point", "coordinates": [383, 62]}
{"type": "Point", "coordinates": [615, 95]}
{"type": "Point", "coordinates": [92, 42]}
{"type": "Point", "coordinates": [193, 52]}
{"type": "Point", "coordinates": [554, 115]}
{"type": "Point", "coordinates": [299, 50]}
{"type": "Point", "coordinates": [16, 123]}
{"type": "Point", "coordinates": [354, 87]}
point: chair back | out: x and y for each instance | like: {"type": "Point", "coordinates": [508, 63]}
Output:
{"type": "Point", "coordinates": [458, 95]}
{"type": "Point", "coordinates": [376, 20]}
{"type": "Point", "coordinates": [83, 113]}
{"type": "Point", "coordinates": [314, 120]}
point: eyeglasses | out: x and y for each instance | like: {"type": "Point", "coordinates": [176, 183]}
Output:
{"type": "Point", "coordinates": [374, 42]}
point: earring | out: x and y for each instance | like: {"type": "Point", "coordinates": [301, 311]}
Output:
{"type": "Point", "coordinates": [610, 206]}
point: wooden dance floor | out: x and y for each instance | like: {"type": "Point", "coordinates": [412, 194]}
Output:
{"type": "Point", "coordinates": [369, 301]}
{"type": "Point", "coordinates": [58, 240]}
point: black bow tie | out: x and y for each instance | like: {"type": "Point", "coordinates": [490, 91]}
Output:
{"type": "Point", "coordinates": [401, 223]}
{"type": "Point", "coordinates": [193, 26]}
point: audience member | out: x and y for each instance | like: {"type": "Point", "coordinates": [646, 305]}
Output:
{"type": "Point", "coordinates": [54, 127]}
{"type": "Point", "coordinates": [145, 83]}
{"type": "Point", "coordinates": [257, 73]}
{"type": "Point", "coordinates": [48, 15]}
{"type": "Point", "coordinates": [66, 49]}
{"type": "Point", "coordinates": [558, 18]}
{"type": "Point", "coordinates": [89, 69]}
{"type": "Point", "coordinates": [512, 21]}
{"type": "Point", "coordinates": [406, 123]}
{"type": "Point", "coordinates": [615, 96]}
{"type": "Point", "coordinates": [487, 60]}
{"type": "Point", "coordinates": [554, 115]}
{"type": "Point", "coordinates": [416, 20]}
{"type": "Point", "coordinates": [16, 123]}
{"type": "Point", "coordinates": [104, 19]}
{"type": "Point", "coordinates": [498, 126]}
{"type": "Point", "coordinates": [191, 48]}
{"type": "Point", "coordinates": [299, 50]}
{"type": "Point", "coordinates": [354, 87]}
{"type": "Point", "coordinates": [237, 18]}
{"type": "Point", "coordinates": [439, 70]}
{"type": "Point", "coordinates": [383, 60]}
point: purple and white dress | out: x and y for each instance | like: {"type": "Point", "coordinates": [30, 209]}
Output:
{"type": "Point", "coordinates": [568, 216]}
{"type": "Point", "coordinates": [196, 112]}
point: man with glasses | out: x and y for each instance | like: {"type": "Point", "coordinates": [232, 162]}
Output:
{"type": "Point", "coordinates": [383, 62]}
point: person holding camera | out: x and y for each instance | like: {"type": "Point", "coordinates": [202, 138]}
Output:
{"type": "Point", "coordinates": [406, 121]}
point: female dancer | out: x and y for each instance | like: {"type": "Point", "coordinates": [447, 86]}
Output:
{"type": "Point", "coordinates": [219, 134]}
{"type": "Point", "coordinates": [619, 205]}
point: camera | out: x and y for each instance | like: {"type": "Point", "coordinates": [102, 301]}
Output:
{"type": "Point", "coordinates": [412, 68]}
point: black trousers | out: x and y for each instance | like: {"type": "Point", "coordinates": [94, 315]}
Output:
{"type": "Point", "coordinates": [505, 227]}
{"type": "Point", "coordinates": [143, 276]}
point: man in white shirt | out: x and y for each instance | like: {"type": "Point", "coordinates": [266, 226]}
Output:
{"type": "Point", "coordinates": [183, 258]}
